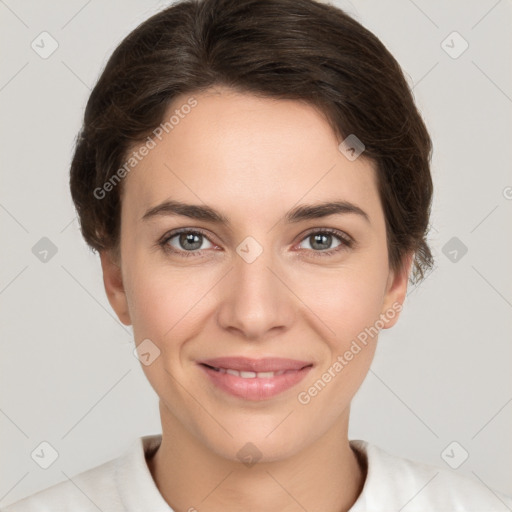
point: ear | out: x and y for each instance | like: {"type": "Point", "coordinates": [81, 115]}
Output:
{"type": "Point", "coordinates": [396, 290]}
{"type": "Point", "coordinates": [113, 281]}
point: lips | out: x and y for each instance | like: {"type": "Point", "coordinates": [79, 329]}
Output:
{"type": "Point", "coordinates": [254, 379]}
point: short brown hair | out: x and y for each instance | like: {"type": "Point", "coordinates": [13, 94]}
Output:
{"type": "Point", "coordinates": [284, 49]}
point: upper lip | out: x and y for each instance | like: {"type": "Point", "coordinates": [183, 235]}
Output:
{"type": "Point", "coordinates": [267, 364]}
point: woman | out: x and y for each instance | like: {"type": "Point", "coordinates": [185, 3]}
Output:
{"type": "Point", "coordinates": [256, 179]}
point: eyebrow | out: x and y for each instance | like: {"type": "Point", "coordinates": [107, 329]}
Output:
{"type": "Point", "coordinates": [297, 214]}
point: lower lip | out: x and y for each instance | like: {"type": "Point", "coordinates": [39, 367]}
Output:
{"type": "Point", "coordinates": [256, 388]}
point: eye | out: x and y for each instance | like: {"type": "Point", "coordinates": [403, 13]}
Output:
{"type": "Point", "coordinates": [320, 241]}
{"type": "Point", "coordinates": [188, 243]}
{"type": "Point", "coordinates": [185, 242]}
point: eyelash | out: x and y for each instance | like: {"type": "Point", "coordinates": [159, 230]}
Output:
{"type": "Point", "coordinates": [346, 242]}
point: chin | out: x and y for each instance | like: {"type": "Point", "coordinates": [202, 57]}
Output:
{"type": "Point", "coordinates": [249, 446]}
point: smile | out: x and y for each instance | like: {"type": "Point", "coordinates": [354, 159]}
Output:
{"type": "Point", "coordinates": [255, 380]}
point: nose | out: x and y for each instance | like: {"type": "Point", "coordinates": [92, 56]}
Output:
{"type": "Point", "coordinates": [256, 299]}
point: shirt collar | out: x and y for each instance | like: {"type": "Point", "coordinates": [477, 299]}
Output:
{"type": "Point", "coordinates": [137, 489]}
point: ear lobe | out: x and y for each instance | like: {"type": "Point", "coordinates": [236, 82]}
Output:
{"type": "Point", "coordinates": [114, 287]}
{"type": "Point", "coordinates": [396, 291]}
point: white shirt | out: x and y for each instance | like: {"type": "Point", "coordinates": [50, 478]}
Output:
{"type": "Point", "coordinates": [392, 483]}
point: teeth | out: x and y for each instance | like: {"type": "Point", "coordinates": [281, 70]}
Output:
{"type": "Point", "coordinates": [250, 375]}
{"type": "Point", "coordinates": [265, 375]}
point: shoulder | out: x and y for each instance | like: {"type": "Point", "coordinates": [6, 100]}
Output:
{"type": "Point", "coordinates": [91, 490]}
{"type": "Point", "coordinates": [123, 483]}
{"type": "Point", "coordinates": [395, 483]}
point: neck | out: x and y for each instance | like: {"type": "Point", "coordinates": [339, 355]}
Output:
{"type": "Point", "coordinates": [326, 475]}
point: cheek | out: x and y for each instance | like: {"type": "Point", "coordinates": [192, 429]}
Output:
{"type": "Point", "coordinates": [165, 309]}
{"type": "Point", "coordinates": [350, 314]}
{"type": "Point", "coordinates": [163, 302]}
{"type": "Point", "coordinates": [347, 300]}
{"type": "Point", "coordinates": [167, 303]}
{"type": "Point", "coordinates": [350, 311]}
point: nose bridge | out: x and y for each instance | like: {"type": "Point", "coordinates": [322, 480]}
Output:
{"type": "Point", "coordinates": [256, 300]}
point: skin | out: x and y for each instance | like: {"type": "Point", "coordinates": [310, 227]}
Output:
{"type": "Point", "coordinates": [253, 159]}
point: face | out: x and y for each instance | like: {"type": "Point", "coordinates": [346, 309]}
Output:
{"type": "Point", "coordinates": [258, 275]}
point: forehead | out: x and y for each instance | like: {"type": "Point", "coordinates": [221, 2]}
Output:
{"type": "Point", "coordinates": [249, 154]}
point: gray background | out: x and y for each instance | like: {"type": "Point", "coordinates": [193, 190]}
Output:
{"type": "Point", "coordinates": [68, 375]}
